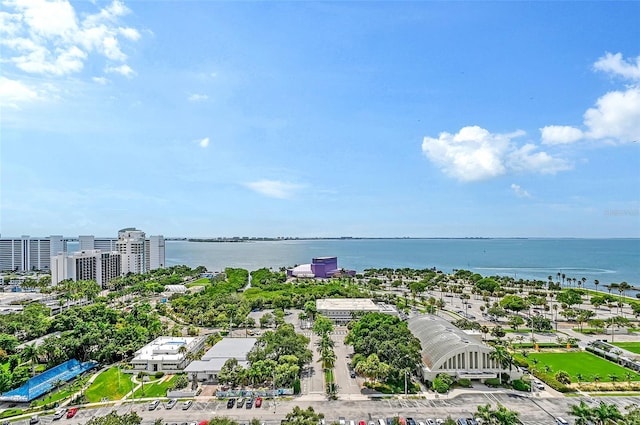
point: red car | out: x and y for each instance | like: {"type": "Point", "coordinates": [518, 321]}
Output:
{"type": "Point", "coordinates": [72, 412]}
{"type": "Point", "coordinates": [258, 402]}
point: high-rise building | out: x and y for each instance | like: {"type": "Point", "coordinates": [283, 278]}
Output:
{"type": "Point", "coordinates": [92, 264]}
{"type": "Point", "coordinates": [154, 247]}
{"type": "Point", "coordinates": [26, 253]}
{"type": "Point", "coordinates": [131, 245]}
{"type": "Point", "coordinates": [139, 254]}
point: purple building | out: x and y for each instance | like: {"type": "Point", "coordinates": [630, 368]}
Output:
{"type": "Point", "coordinates": [320, 267]}
{"type": "Point", "coordinates": [324, 266]}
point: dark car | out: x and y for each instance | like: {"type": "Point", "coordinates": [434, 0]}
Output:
{"type": "Point", "coordinates": [249, 403]}
{"type": "Point", "coordinates": [230, 403]}
{"type": "Point", "coordinates": [410, 421]}
{"type": "Point", "coordinates": [352, 373]}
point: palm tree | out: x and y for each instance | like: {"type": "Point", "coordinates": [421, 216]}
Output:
{"type": "Point", "coordinates": [596, 379]}
{"type": "Point", "coordinates": [596, 282]}
{"type": "Point", "coordinates": [503, 358]}
{"type": "Point", "coordinates": [31, 353]}
{"type": "Point", "coordinates": [583, 413]}
{"type": "Point", "coordinates": [606, 413]}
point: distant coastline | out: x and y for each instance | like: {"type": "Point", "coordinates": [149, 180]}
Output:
{"type": "Point", "coordinates": [272, 239]}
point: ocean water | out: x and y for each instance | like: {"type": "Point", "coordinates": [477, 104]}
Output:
{"type": "Point", "coordinates": [608, 260]}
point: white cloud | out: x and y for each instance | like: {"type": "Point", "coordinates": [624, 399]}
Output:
{"type": "Point", "coordinates": [616, 65]}
{"type": "Point", "coordinates": [475, 154]}
{"type": "Point", "coordinates": [47, 36]}
{"type": "Point", "coordinates": [122, 70]}
{"type": "Point", "coordinates": [525, 159]}
{"type": "Point", "coordinates": [560, 134]}
{"type": "Point", "coordinates": [615, 116]}
{"type": "Point", "coordinates": [198, 97]}
{"type": "Point", "coordinates": [274, 188]}
{"type": "Point", "coordinates": [130, 33]}
{"type": "Point", "coordinates": [100, 80]}
{"type": "Point", "coordinates": [13, 92]}
{"type": "Point", "coordinates": [203, 142]}
{"type": "Point", "coordinates": [519, 191]}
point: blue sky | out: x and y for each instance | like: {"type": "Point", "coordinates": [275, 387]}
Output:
{"type": "Point", "coordinates": [424, 119]}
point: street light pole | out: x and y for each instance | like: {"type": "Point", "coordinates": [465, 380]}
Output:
{"type": "Point", "coordinates": [405, 383]}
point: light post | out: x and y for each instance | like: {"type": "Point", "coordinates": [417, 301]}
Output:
{"type": "Point", "coordinates": [405, 383]}
{"type": "Point", "coordinates": [274, 391]}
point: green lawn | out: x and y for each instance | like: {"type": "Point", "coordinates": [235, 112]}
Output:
{"type": "Point", "coordinates": [108, 385]}
{"type": "Point", "coordinates": [155, 389]}
{"type": "Point", "coordinates": [203, 281]}
{"type": "Point", "coordinates": [583, 363]}
{"type": "Point", "coordinates": [62, 393]}
{"type": "Point", "coordinates": [634, 347]}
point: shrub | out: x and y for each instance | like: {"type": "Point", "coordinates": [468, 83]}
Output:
{"type": "Point", "coordinates": [465, 383]}
{"type": "Point", "coordinates": [180, 382]}
{"type": "Point", "coordinates": [492, 382]}
{"type": "Point", "coordinates": [440, 386]}
{"type": "Point", "coordinates": [158, 375]}
{"type": "Point", "coordinates": [520, 385]}
{"type": "Point", "coordinates": [520, 362]}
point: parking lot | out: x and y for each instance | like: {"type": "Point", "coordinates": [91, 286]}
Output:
{"type": "Point", "coordinates": [533, 411]}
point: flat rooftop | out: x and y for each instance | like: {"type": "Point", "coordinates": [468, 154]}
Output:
{"type": "Point", "coordinates": [348, 304]}
{"type": "Point", "coordinates": [231, 348]}
{"type": "Point", "coordinates": [164, 348]}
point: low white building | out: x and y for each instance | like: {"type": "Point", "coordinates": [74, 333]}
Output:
{"type": "Point", "coordinates": [447, 349]}
{"type": "Point", "coordinates": [165, 354]}
{"type": "Point", "coordinates": [208, 368]}
{"type": "Point", "coordinates": [341, 310]}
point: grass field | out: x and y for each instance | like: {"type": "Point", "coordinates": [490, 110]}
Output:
{"type": "Point", "coordinates": [108, 385]}
{"type": "Point", "coordinates": [582, 363]}
{"type": "Point", "coordinates": [634, 347]}
{"type": "Point", "coordinates": [203, 281]}
{"type": "Point", "coordinates": [155, 389]}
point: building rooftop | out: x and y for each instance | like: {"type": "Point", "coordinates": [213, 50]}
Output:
{"type": "Point", "coordinates": [439, 338]}
{"type": "Point", "coordinates": [350, 304]}
{"type": "Point", "coordinates": [227, 348]}
{"type": "Point", "coordinates": [164, 348]}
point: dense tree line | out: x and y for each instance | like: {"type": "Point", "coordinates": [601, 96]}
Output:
{"type": "Point", "coordinates": [385, 345]}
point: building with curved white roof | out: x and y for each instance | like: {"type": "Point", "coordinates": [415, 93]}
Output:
{"type": "Point", "coordinates": [447, 349]}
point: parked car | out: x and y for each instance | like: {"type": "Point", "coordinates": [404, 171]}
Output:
{"type": "Point", "coordinates": [72, 412]}
{"type": "Point", "coordinates": [59, 414]}
{"type": "Point", "coordinates": [154, 404]}
{"type": "Point", "coordinates": [410, 421]}
{"type": "Point", "coordinates": [258, 402]}
{"type": "Point", "coordinates": [34, 419]}
{"type": "Point", "coordinates": [561, 421]}
{"type": "Point", "coordinates": [249, 403]}
{"type": "Point", "coordinates": [187, 404]}
{"type": "Point", "coordinates": [231, 403]}
{"type": "Point", "coordinates": [172, 402]}
{"type": "Point", "coordinates": [362, 423]}
{"type": "Point", "coordinates": [352, 373]}
{"type": "Point", "coordinates": [342, 420]}
{"type": "Point", "coordinates": [240, 403]}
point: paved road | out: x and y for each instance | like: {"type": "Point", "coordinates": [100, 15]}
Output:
{"type": "Point", "coordinates": [537, 411]}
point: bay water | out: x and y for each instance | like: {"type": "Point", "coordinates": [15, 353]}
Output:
{"type": "Point", "coordinates": [607, 260]}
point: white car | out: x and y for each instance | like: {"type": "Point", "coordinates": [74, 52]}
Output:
{"type": "Point", "coordinates": [59, 414]}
